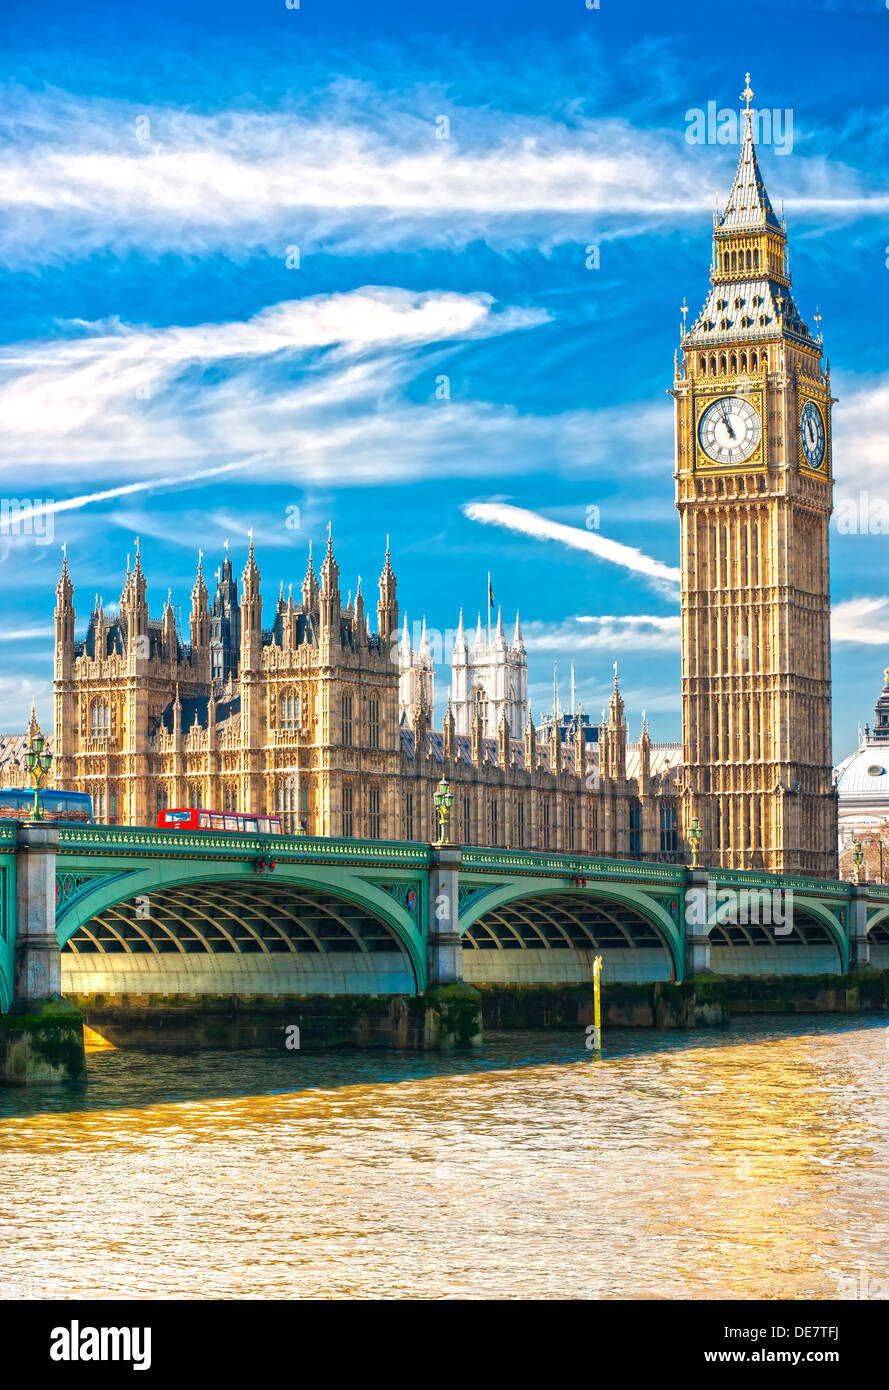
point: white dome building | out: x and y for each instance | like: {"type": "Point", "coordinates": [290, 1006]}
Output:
{"type": "Point", "coordinates": [862, 779]}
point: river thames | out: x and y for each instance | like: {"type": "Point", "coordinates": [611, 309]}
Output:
{"type": "Point", "coordinates": [752, 1162]}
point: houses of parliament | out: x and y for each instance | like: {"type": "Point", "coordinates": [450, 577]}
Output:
{"type": "Point", "coordinates": [326, 717]}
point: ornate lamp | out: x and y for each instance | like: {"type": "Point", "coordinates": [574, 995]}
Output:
{"type": "Point", "coordinates": [694, 834]}
{"type": "Point", "coordinates": [444, 799]}
{"type": "Point", "coordinates": [38, 761]}
{"type": "Point", "coordinates": [858, 855]}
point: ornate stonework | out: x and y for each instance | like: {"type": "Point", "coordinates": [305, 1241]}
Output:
{"type": "Point", "coordinates": [306, 722]}
{"type": "Point", "coordinates": [754, 489]}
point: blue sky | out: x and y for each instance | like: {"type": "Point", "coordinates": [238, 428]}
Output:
{"type": "Point", "coordinates": [164, 167]}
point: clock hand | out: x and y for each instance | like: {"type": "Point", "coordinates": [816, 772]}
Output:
{"type": "Point", "coordinates": [727, 421]}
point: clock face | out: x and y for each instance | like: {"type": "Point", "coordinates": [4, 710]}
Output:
{"type": "Point", "coordinates": [811, 433]}
{"type": "Point", "coordinates": [729, 430]}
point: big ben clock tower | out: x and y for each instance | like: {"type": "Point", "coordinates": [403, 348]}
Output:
{"type": "Point", "coordinates": [754, 490]}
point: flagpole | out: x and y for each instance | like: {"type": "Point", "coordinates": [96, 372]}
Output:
{"type": "Point", "coordinates": [489, 608]}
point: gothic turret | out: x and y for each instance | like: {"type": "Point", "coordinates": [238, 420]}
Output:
{"type": "Point", "coordinates": [310, 586]}
{"type": "Point", "coordinates": [64, 616]}
{"type": "Point", "coordinates": [448, 732]}
{"type": "Point", "coordinates": [199, 623]}
{"type": "Point", "coordinates": [329, 597]}
{"type": "Point", "coordinates": [169, 635]}
{"type": "Point", "coordinates": [387, 607]}
{"type": "Point", "coordinates": [251, 614]}
{"type": "Point", "coordinates": [530, 744]}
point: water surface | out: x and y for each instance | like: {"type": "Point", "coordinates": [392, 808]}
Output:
{"type": "Point", "coordinates": [750, 1162]}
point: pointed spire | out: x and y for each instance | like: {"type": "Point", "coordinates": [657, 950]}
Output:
{"type": "Point", "coordinates": [387, 576]}
{"type": "Point", "coordinates": [748, 206]}
{"type": "Point", "coordinates": [460, 637]}
{"type": "Point", "coordinates": [310, 585]}
{"type": "Point", "coordinates": [479, 635]}
{"type": "Point", "coordinates": [424, 640]}
{"type": "Point", "coordinates": [330, 573]}
{"type": "Point", "coordinates": [64, 588]}
{"type": "Point", "coordinates": [517, 641]}
{"type": "Point", "coordinates": [405, 645]}
{"type": "Point", "coordinates": [250, 577]}
{"type": "Point", "coordinates": [448, 729]}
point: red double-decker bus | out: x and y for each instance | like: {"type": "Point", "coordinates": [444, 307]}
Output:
{"type": "Point", "coordinates": [189, 818]}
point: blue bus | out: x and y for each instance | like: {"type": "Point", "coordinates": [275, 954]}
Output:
{"type": "Point", "coordinates": [18, 804]}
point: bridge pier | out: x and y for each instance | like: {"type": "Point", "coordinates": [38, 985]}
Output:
{"type": "Point", "coordinates": [41, 1037]}
{"type": "Point", "coordinates": [456, 1006]}
{"type": "Point", "coordinates": [859, 945]}
{"type": "Point", "coordinates": [695, 937]}
{"type": "Point", "coordinates": [444, 957]}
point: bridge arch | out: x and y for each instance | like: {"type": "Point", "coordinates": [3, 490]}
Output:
{"type": "Point", "coordinates": [227, 929]}
{"type": "Point", "coordinates": [878, 937]}
{"type": "Point", "coordinates": [549, 932]}
{"type": "Point", "coordinates": [815, 944]}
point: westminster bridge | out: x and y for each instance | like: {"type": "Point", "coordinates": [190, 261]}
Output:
{"type": "Point", "coordinates": [116, 914]}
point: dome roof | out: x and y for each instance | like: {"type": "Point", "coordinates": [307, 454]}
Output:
{"type": "Point", "coordinates": [865, 772]}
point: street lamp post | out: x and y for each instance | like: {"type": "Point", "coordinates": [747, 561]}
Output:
{"type": "Point", "coordinates": [858, 855]}
{"type": "Point", "coordinates": [38, 761]}
{"type": "Point", "coordinates": [443, 799]}
{"type": "Point", "coordinates": [694, 834]}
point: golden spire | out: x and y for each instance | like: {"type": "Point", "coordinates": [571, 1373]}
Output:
{"type": "Point", "coordinates": [747, 94]}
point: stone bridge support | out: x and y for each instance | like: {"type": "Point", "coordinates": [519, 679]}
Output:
{"type": "Point", "coordinates": [41, 1037]}
{"type": "Point", "coordinates": [859, 945]}
{"type": "Point", "coordinates": [695, 925]}
{"type": "Point", "coordinates": [445, 949]}
{"type": "Point", "coordinates": [456, 1006]}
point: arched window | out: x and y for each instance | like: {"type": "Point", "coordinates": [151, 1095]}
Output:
{"type": "Point", "coordinates": [744, 362]}
{"type": "Point", "coordinates": [725, 262]}
{"type": "Point", "coordinates": [753, 362]}
{"type": "Point", "coordinates": [734, 362]}
{"type": "Point", "coordinates": [703, 365]}
{"type": "Point", "coordinates": [749, 260]}
{"type": "Point", "coordinates": [288, 710]}
{"type": "Point", "coordinates": [100, 719]}
{"type": "Point", "coordinates": [723, 366]}
{"type": "Point", "coordinates": [713, 364]}
{"type": "Point", "coordinates": [756, 259]}
{"type": "Point", "coordinates": [231, 798]}
{"type": "Point", "coordinates": [734, 260]}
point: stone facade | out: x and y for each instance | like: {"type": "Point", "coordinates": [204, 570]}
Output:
{"type": "Point", "coordinates": [304, 719]}
{"type": "Point", "coordinates": [754, 490]}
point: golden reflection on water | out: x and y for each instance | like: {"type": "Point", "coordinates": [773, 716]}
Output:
{"type": "Point", "coordinates": [752, 1163]}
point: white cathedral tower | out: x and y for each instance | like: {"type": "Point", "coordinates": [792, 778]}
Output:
{"type": "Point", "coordinates": [493, 674]}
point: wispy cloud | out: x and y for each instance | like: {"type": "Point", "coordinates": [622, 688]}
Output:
{"type": "Point", "coordinates": [83, 175]}
{"type": "Point", "coordinates": [629, 632]}
{"type": "Point", "coordinates": [115, 396]}
{"type": "Point", "coordinates": [540, 528]}
{"type": "Point", "coordinates": [861, 620]}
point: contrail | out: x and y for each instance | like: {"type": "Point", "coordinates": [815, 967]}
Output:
{"type": "Point", "coordinates": [71, 504]}
{"type": "Point", "coordinates": [541, 529]}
